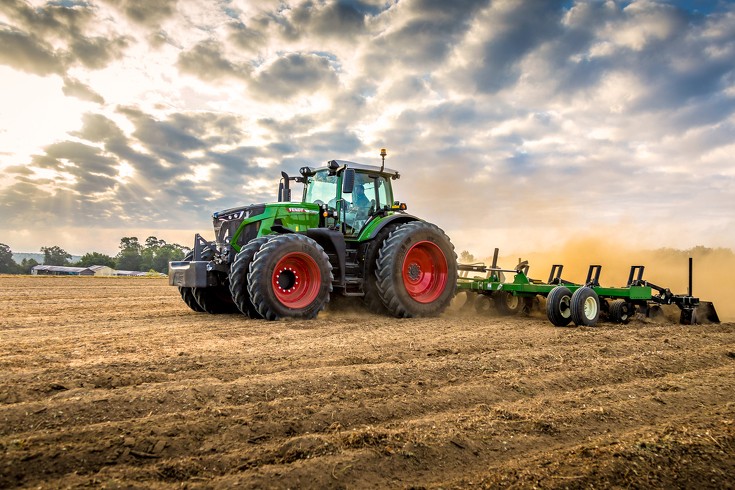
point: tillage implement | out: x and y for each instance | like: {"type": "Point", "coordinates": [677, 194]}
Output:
{"type": "Point", "coordinates": [345, 236]}
{"type": "Point", "coordinates": [578, 303]}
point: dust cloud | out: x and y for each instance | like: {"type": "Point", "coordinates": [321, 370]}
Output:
{"type": "Point", "coordinates": [713, 268]}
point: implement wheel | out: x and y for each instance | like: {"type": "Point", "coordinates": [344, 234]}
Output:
{"type": "Point", "coordinates": [239, 277]}
{"type": "Point", "coordinates": [585, 306]}
{"type": "Point", "coordinates": [416, 270]}
{"type": "Point", "coordinates": [187, 294]}
{"type": "Point", "coordinates": [484, 304]}
{"type": "Point", "coordinates": [507, 303]}
{"type": "Point", "coordinates": [290, 277]}
{"type": "Point", "coordinates": [620, 311]}
{"type": "Point", "coordinates": [558, 306]}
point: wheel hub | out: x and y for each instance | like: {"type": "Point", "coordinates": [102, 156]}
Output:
{"type": "Point", "coordinates": [287, 280]}
{"type": "Point", "coordinates": [414, 272]}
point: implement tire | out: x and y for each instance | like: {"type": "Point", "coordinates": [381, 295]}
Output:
{"type": "Point", "coordinates": [558, 306]}
{"type": "Point", "coordinates": [290, 277]}
{"type": "Point", "coordinates": [620, 311]}
{"type": "Point", "coordinates": [239, 277]}
{"type": "Point", "coordinates": [187, 294]}
{"type": "Point", "coordinates": [416, 270]}
{"type": "Point", "coordinates": [585, 306]}
{"type": "Point", "coordinates": [507, 303]}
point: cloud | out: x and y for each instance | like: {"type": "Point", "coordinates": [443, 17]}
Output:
{"type": "Point", "coordinates": [294, 74]}
{"type": "Point", "coordinates": [75, 88]}
{"type": "Point", "coordinates": [149, 13]}
{"type": "Point", "coordinates": [27, 53]}
{"type": "Point", "coordinates": [206, 61]}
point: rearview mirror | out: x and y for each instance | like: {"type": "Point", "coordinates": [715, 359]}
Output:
{"type": "Point", "coordinates": [348, 181]}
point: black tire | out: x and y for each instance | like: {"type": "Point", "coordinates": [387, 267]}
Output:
{"type": "Point", "coordinates": [620, 311]}
{"type": "Point", "coordinates": [416, 270]}
{"type": "Point", "coordinates": [290, 277]}
{"type": "Point", "coordinates": [215, 299]}
{"type": "Point", "coordinates": [507, 303]}
{"type": "Point", "coordinates": [484, 304]}
{"type": "Point", "coordinates": [558, 306]}
{"type": "Point", "coordinates": [239, 277]}
{"type": "Point", "coordinates": [187, 294]}
{"type": "Point", "coordinates": [372, 299]}
{"type": "Point", "coordinates": [585, 307]}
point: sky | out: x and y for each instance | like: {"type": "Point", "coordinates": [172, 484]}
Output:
{"type": "Point", "coordinates": [518, 124]}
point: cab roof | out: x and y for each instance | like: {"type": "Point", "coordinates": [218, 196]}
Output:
{"type": "Point", "coordinates": [388, 172]}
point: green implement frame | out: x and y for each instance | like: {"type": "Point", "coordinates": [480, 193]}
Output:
{"type": "Point", "coordinates": [581, 303]}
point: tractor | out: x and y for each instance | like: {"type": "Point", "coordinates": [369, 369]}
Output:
{"type": "Point", "coordinates": [345, 236]}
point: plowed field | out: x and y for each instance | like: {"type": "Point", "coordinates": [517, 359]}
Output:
{"type": "Point", "coordinates": [116, 383]}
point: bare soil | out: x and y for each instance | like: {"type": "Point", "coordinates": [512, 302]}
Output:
{"type": "Point", "coordinates": [115, 383]}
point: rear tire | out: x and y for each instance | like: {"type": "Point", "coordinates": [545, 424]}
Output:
{"type": "Point", "coordinates": [290, 277]}
{"type": "Point", "coordinates": [620, 311]}
{"type": "Point", "coordinates": [416, 270]}
{"type": "Point", "coordinates": [187, 294]}
{"type": "Point", "coordinates": [585, 306]}
{"type": "Point", "coordinates": [239, 277]}
{"type": "Point", "coordinates": [558, 306]}
{"type": "Point", "coordinates": [372, 299]}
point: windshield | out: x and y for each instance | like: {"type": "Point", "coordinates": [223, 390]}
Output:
{"type": "Point", "coordinates": [322, 187]}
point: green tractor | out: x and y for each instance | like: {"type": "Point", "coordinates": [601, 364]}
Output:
{"type": "Point", "coordinates": [346, 236]}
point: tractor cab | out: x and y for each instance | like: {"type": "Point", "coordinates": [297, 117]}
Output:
{"type": "Point", "coordinates": [348, 194]}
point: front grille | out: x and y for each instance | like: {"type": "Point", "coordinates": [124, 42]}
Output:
{"type": "Point", "coordinates": [227, 222]}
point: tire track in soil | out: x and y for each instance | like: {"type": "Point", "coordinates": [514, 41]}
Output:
{"type": "Point", "coordinates": [167, 396]}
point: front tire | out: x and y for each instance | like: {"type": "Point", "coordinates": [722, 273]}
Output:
{"type": "Point", "coordinates": [290, 277]}
{"type": "Point", "coordinates": [187, 294]}
{"type": "Point", "coordinates": [239, 277]}
{"type": "Point", "coordinates": [416, 270]}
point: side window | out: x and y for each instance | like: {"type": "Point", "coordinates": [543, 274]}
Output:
{"type": "Point", "coordinates": [382, 195]}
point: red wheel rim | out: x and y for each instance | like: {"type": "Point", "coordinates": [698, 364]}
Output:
{"type": "Point", "coordinates": [425, 272]}
{"type": "Point", "coordinates": [296, 280]}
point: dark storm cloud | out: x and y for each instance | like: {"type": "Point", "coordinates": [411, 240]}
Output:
{"type": "Point", "coordinates": [27, 53]}
{"type": "Point", "coordinates": [511, 36]}
{"type": "Point", "coordinates": [150, 13]}
{"type": "Point", "coordinates": [206, 61]}
{"type": "Point", "coordinates": [294, 74]}
{"type": "Point", "coordinates": [75, 88]}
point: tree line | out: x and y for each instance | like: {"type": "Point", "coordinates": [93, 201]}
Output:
{"type": "Point", "coordinates": [151, 255]}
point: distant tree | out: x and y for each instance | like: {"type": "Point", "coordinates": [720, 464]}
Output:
{"type": "Point", "coordinates": [55, 255]}
{"type": "Point", "coordinates": [26, 265]}
{"type": "Point", "coordinates": [7, 264]}
{"type": "Point", "coordinates": [129, 258]}
{"type": "Point", "coordinates": [96, 258]}
{"type": "Point", "coordinates": [466, 258]}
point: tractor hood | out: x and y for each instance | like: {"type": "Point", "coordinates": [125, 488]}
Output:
{"type": "Point", "coordinates": [228, 221]}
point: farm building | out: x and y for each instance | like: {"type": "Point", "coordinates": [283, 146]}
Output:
{"type": "Point", "coordinates": [128, 273]}
{"type": "Point", "coordinates": [102, 270]}
{"type": "Point", "coordinates": [59, 270]}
